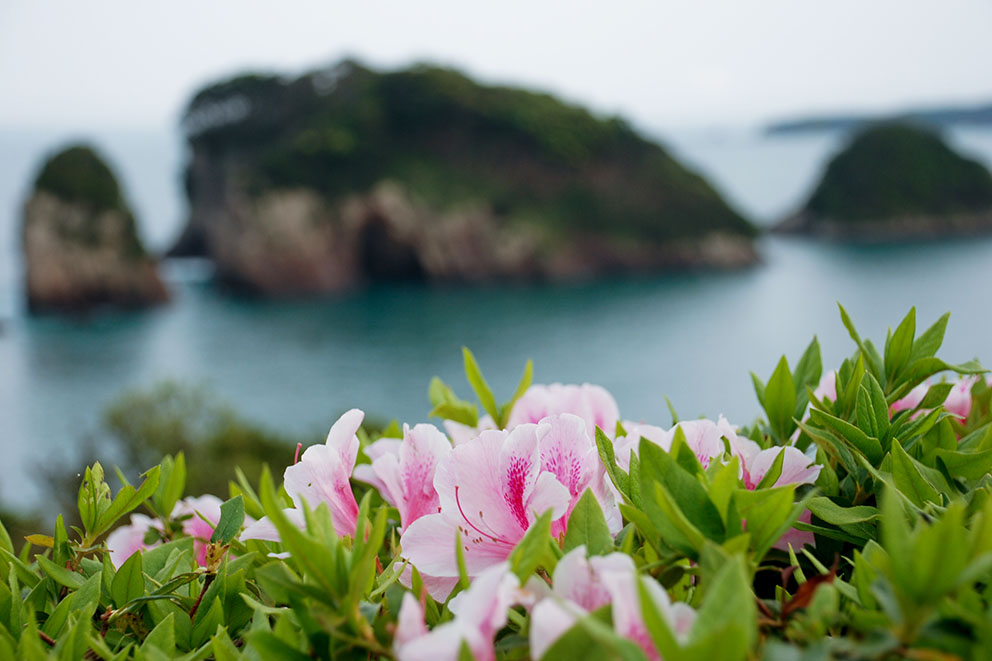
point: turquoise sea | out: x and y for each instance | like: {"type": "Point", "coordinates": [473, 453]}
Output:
{"type": "Point", "coordinates": [296, 365]}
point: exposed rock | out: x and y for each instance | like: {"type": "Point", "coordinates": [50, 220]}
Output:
{"type": "Point", "coordinates": [346, 175]}
{"type": "Point", "coordinates": [897, 182]}
{"type": "Point", "coordinates": [80, 242]}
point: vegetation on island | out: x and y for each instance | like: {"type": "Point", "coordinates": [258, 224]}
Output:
{"type": "Point", "coordinates": [78, 175]}
{"type": "Point", "coordinates": [894, 170]}
{"type": "Point", "coordinates": [451, 140]}
{"type": "Point", "coordinates": [851, 520]}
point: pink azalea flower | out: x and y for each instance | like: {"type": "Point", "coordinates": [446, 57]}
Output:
{"type": "Point", "coordinates": [570, 453]}
{"type": "Point", "coordinates": [911, 400]}
{"type": "Point", "coordinates": [582, 585]}
{"type": "Point", "coordinates": [127, 540]}
{"type": "Point", "coordinates": [321, 476]}
{"type": "Point", "coordinates": [797, 468]}
{"type": "Point", "coordinates": [403, 470]}
{"type": "Point", "coordinates": [704, 438]}
{"type": "Point", "coordinates": [592, 403]}
{"type": "Point", "coordinates": [491, 490]}
{"type": "Point", "coordinates": [460, 433]}
{"type": "Point", "coordinates": [204, 513]}
{"type": "Point", "coordinates": [827, 388]}
{"type": "Point", "coordinates": [480, 612]}
{"type": "Point", "coordinates": [958, 400]}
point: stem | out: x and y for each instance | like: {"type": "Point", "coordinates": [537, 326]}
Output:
{"type": "Point", "coordinates": [206, 584]}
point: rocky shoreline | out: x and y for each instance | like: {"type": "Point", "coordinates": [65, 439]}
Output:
{"type": "Point", "coordinates": [81, 247]}
{"type": "Point", "coordinates": [888, 230]}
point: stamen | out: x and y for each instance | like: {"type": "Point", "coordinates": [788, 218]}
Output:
{"type": "Point", "coordinates": [296, 457]}
{"type": "Point", "coordinates": [472, 525]}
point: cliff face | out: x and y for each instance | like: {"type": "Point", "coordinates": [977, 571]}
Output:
{"type": "Point", "coordinates": [348, 175]}
{"type": "Point", "coordinates": [897, 181]}
{"type": "Point", "coordinates": [80, 242]}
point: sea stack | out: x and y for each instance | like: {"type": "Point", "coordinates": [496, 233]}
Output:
{"type": "Point", "coordinates": [348, 175]}
{"type": "Point", "coordinates": [81, 245]}
{"type": "Point", "coordinates": [895, 182]}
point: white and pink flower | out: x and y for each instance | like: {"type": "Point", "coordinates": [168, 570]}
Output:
{"type": "Point", "coordinates": [491, 490]}
{"type": "Point", "coordinates": [704, 438]}
{"type": "Point", "coordinates": [582, 585]}
{"type": "Point", "coordinates": [403, 470]}
{"type": "Point", "coordinates": [594, 404]}
{"type": "Point", "coordinates": [322, 475]}
{"type": "Point", "coordinates": [480, 612]}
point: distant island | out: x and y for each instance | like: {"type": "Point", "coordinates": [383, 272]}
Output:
{"type": "Point", "coordinates": [81, 245]}
{"type": "Point", "coordinates": [348, 175]}
{"type": "Point", "coordinates": [980, 115]}
{"type": "Point", "coordinates": [893, 182]}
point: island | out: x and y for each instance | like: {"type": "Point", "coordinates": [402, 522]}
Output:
{"type": "Point", "coordinates": [895, 182]}
{"type": "Point", "coordinates": [81, 245]}
{"type": "Point", "coordinates": [348, 175]}
{"type": "Point", "coordinates": [978, 115]}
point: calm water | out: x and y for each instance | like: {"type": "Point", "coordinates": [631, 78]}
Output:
{"type": "Point", "coordinates": [294, 366]}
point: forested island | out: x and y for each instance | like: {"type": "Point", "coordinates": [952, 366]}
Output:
{"type": "Point", "coordinates": [348, 175]}
{"type": "Point", "coordinates": [894, 182]}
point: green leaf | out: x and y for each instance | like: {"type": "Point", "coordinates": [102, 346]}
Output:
{"type": "Point", "coordinates": [127, 499]}
{"type": "Point", "coordinates": [479, 385]}
{"type": "Point", "coordinates": [587, 526]}
{"type": "Point", "coordinates": [171, 485]}
{"type": "Point", "coordinates": [222, 647]}
{"type": "Point", "coordinates": [163, 636]}
{"type": "Point", "coordinates": [657, 624]}
{"type": "Point", "coordinates": [592, 638]}
{"type": "Point", "coordinates": [232, 517]}
{"type": "Point", "coordinates": [774, 472]}
{"type": "Point", "coordinates": [5, 542]}
{"type": "Point", "coordinates": [969, 465]}
{"type": "Point", "coordinates": [690, 497]}
{"type": "Point", "coordinates": [460, 412]}
{"type": "Point", "coordinates": [60, 575]}
{"type": "Point", "coordinates": [825, 509]}
{"type": "Point", "coordinates": [206, 626]}
{"type": "Point", "coordinates": [129, 582]}
{"type": "Point", "coordinates": [525, 381]}
{"type": "Point", "coordinates": [728, 604]}
{"type": "Point", "coordinates": [270, 647]}
{"type": "Point", "coordinates": [606, 454]}
{"type": "Point", "coordinates": [909, 479]}
{"type": "Point", "coordinates": [767, 512]}
{"type": "Point", "coordinates": [927, 344]}
{"type": "Point", "coordinates": [780, 401]}
{"type": "Point", "coordinates": [899, 347]}
{"type": "Point", "coordinates": [868, 446]}
{"type": "Point", "coordinates": [533, 550]}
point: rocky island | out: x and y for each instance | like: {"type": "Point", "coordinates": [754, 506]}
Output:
{"type": "Point", "coordinates": [81, 246]}
{"type": "Point", "coordinates": [347, 175]}
{"type": "Point", "coordinates": [895, 182]}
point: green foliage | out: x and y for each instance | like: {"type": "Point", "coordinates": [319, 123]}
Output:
{"type": "Point", "coordinates": [78, 174]}
{"type": "Point", "coordinates": [893, 170]}
{"type": "Point", "coordinates": [453, 142]}
{"type": "Point", "coordinates": [901, 567]}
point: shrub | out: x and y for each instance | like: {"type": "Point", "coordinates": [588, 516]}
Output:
{"type": "Point", "coordinates": [852, 520]}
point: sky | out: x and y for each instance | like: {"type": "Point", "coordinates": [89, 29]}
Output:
{"type": "Point", "coordinates": [134, 64]}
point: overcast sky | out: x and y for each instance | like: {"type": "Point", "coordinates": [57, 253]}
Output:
{"type": "Point", "coordinates": [134, 63]}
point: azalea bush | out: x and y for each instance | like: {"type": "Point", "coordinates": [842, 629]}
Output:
{"type": "Point", "coordinates": [852, 520]}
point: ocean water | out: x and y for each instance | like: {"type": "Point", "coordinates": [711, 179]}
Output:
{"type": "Point", "coordinates": [295, 365]}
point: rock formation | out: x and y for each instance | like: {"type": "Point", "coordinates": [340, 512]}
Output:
{"type": "Point", "coordinates": [81, 245]}
{"type": "Point", "coordinates": [896, 182]}
{"type": "Point", "coordinates": [347, 175]}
